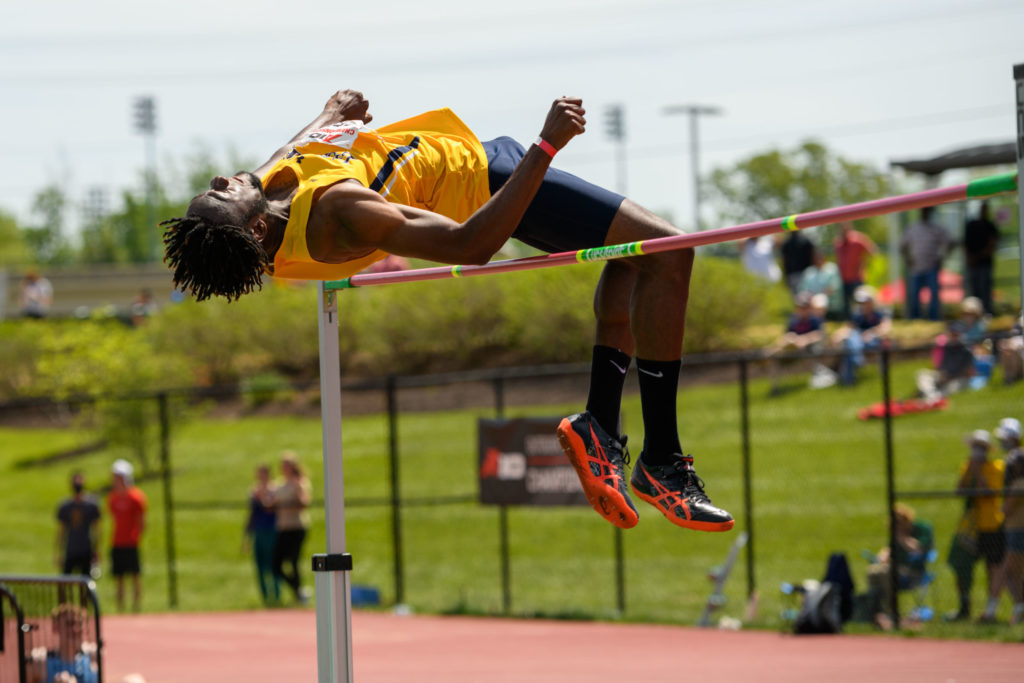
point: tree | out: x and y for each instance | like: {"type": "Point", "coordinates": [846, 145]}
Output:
{"type": "Point", "coordinates": [13, 249]}
{"type": "Point", "coordinates": [46, 239]}
{"type": "Point", "coordinates": [784, 182]}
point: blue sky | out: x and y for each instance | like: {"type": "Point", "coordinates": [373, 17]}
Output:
{"type": "Point", "coordinates": [875, 80]}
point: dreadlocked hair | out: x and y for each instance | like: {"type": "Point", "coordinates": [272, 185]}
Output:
{"type": "Point", "coordinates": [213, 260]}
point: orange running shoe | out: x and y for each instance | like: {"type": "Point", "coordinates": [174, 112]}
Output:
{"type": "Point", "coordinates": [599, 459]}
{"type": "Point", "coordinates": [678, 493]}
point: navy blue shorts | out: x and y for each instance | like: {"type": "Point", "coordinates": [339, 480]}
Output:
{"type": "Point", "coordinates": [566, 214]}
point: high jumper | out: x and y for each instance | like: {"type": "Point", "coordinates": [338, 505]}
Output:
{"type": "Point", "coordinates": [341, 196]}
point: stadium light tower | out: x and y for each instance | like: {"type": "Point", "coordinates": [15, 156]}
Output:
{"type": "Point", "coordinates": [615, 122]}
{"type": "Point", "coordinates": [145, 125]}
{"type": "Point", "coordinates": [694, 111]}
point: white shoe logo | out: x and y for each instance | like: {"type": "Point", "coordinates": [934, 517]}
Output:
{"type": "Point", "coordinates": [618, 367]}
{"type": "Point", "coordinates": [659, 373]}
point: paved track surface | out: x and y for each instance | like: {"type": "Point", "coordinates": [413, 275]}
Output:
{"type": "Point", "coordinates": [280, 646]}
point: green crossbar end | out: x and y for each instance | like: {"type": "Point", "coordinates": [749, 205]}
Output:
{"type": "Point", "coordinates": [994, 184]}
{"type": "Point", "coordinates": [339, 284]}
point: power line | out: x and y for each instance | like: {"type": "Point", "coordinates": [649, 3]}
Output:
{"type": "Point", "coordinates": [473, 60]}
{"type": "Point", "coordinates": [842, 130]}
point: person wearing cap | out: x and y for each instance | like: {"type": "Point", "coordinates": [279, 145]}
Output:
{"type": "Point", "coordinates": [1009, 435]}
{"type": "Point", "coordinates": [127, 505]}
{"type": "Point", "coordinates": [804, 332]}
{"type": "Point", "coordinates": [980, 531]}
{"type": "Point", "coordinates": [868, 329]}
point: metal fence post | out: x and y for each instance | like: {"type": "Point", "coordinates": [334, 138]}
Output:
{"type": "Point", "coordinates": [503, 551]}
{"type": "Point", "coordinates": [894, 602]}
{"type": "Point", "coordinates": [620, 571]}
{"type": "Point", "coordinates": [165, 465]}
{"type": "Point", "coordinates": [396, 495]}
{"type": "Point", "coordinates": [748, 505]}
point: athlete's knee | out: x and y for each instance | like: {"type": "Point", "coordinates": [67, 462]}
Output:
{"type": "Point", "coordinates": [675, 265]}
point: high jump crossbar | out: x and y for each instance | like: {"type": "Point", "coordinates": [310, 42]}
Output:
{"type": "Point", "coordinates": [332, 570]}
{"type": "Point", "coordinates": [976, 189]}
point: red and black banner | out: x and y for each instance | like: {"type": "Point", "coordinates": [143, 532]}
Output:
{"type": "Point", "coordinates": [521, 463]}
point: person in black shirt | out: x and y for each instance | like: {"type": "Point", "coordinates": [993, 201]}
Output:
{"type": "Point", "coordinates": [981, 239]}
{"type": "Point", "coordinates": [797, 255]}
{"type": "Point", "coordinates": [77, 535]}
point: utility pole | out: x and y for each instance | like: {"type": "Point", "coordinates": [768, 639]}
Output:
{"type": "Point", "coordinates": [694, 111]}
{"type": "Point", "coordinates": [615, 120]}
{"type": "Point", "coordinates": [145, 125]}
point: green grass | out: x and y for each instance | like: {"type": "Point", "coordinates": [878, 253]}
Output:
{"type": "Point", "coordinates": [818, 486]}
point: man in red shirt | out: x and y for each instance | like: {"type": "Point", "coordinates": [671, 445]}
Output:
{"type": "Point", "coordinates": [127, 505]}
{"type": "Point", "coordinates": [852, 251]}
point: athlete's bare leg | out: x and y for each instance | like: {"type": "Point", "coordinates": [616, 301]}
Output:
{"type": "Point", "coordinates": [649, 291]}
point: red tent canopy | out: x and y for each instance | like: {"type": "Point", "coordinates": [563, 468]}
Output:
{"type": "Point", "coordinates": [951, 290]}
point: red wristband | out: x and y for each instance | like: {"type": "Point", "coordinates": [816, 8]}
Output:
{"type": "Point", "coordinates": [546, 147]}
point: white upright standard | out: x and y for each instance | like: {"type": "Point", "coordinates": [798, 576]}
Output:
{"type": "Point", "coordinates": [1018, 77]}
{"type": "Point", "coordinates": [333, 590]}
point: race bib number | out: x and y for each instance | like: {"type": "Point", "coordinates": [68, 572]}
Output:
{"type": "Point", "coordinates": [337, 134]}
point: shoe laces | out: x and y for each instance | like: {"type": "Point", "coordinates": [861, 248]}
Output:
{"type": "Point", "coordinates": [625, 451]}
{"type": "Point", "coordinates": [692, 485]}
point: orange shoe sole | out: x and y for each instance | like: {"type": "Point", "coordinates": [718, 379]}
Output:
{"type": "Point", "coordinates": [685, 523]}
{"type": "Point", "coordinates": [607, 502]}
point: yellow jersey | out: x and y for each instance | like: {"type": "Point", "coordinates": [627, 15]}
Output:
{"type": "Point", "coordinates": [432, 161]}
{"type": "Point", "coordinates": [986, 512]}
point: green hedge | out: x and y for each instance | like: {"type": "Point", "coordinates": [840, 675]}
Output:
{"type": "Point", "coordinates": [540, 316]}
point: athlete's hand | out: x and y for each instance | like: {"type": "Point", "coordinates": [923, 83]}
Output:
{"type": "Point", "coordinates": [565, 121]}
{"type": "Point", "coordinates": [348, 105]}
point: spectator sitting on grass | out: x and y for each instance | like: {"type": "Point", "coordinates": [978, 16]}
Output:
{"type": "Point", "coordinates": [1011, 353]}
{"type": "Point", "coordinates": [914, 539]}
{"type": "Point", "coordinates": [804, 332]}
{"type": "Point", "coordinates": [955, 369]}
{"type": "Point", "coordinates": [868, 329]}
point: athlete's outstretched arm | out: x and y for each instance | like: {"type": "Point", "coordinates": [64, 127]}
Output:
{"type": "Point", "coordinates": [349, 217]}
{"type": "Point", "coordinates": [344, 105]}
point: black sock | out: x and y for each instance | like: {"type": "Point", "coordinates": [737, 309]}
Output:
{"type": "Point", "coordinates": [607, 376]}
{"type": "Point", "coordinates": [659, 381]}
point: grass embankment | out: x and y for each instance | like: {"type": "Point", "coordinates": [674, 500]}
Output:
{"type": "Point", "coordinates": [819, 486]}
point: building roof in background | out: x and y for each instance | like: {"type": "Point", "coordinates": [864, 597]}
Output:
{"type": "Point", "coordinates": [968, 157]}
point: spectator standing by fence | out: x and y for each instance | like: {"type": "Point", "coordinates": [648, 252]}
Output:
{"type": "Point", "coordinates": [1009, 434]}
{"type": "Point", "coordinates": [36, 295]}
{"type": "Point", "coordinates": [127, 505]}
{"type": "Point", "coordinates": [981, 239]}
{"type": "Point", "coordinates": [261, 531]}
{"type": "Point", "coordinates": [853, 249]}
{"type": "Point", "coordinates": [980, 532]}
{"type": "Point", "coordinates": [77, 530]}
{"type": "Point", "coordinates": [924, 245]}
{"type": "Point", "coordinates": [291, 500]}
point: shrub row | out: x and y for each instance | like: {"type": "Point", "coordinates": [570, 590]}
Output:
{"type": "Point", "coordinates": [541, 316]}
